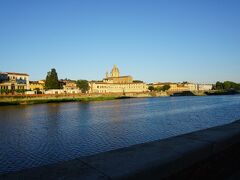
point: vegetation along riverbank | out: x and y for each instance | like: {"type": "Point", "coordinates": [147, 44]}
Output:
{"type": "Point", "coordinates": [41, 99]}
{"type": "Point", "coordinates": [25, 100]}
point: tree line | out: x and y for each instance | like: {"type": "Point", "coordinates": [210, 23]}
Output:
{"type": "Point", "coordinates": [227, 85]}
{"type": "Point", "coordinates": [52, 82]}
{"type": "Point", "coordinates": [159, 89]}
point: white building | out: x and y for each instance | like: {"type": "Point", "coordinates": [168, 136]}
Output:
{"type": "Point", "coordinates": [62, 91]}
{"type": "Point", "coordinates": [205, 87]}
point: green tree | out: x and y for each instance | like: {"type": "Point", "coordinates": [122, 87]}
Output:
{"type": "Point", "coordinates": [52, 80]}
{"type": "Point", "coordinates": [83, 85]}
{"type": "Point", "coordinates": [158, 89]}
{"type": "Point", "coordinates": [151, 88]}
{"type": "Point", "coordinates": [219, 85]}
{"type": "Point", "coordinates": [162, 88]}
{"type": "Point", "coordinates": [166, 87]}
{"type": "Point", "coordinates": [229, 85]}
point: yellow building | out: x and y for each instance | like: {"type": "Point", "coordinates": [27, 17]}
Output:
{"type": "Point", "coordinates": [69, 85]}
{"type": "Point", "coordinates": [114, 83]}
{"type": "Point", "coordinates": [37, 85]}
{"type": "Point", "coordinates": [178, 87]}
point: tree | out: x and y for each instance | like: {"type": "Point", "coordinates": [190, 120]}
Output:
{"type": "Point", "coordinates": [52, 80]}
{"type": "Point", "coordinates": [158, 89]}
{"type": "Point", "coordinates": [151, 88]}
{"type": "Point", "coordinates": [166, 87]}
{"type": "Point", "coordinates": [83, 85]}
{"type": "Point", "coordinates": [229, 85]}
{"type": "Point", "coordinates": [219, 86]}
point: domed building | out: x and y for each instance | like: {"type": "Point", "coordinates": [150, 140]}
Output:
{"type": "Point", "coordinates": [116, 78]}
{"type": "Point", "coordinates": [115, 72]}
{"type": "Point", "coordinates": [114, 83]}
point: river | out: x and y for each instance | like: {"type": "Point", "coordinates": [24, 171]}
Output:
{"type": "Point", "coordinates": [36, 135]}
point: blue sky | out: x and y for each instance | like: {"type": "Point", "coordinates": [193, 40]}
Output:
{"type": "Point", "coordinates": [152, 40]}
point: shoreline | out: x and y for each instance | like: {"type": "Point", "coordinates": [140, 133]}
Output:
{"type": "Point", "coordinates": [44, 99]}
{"type": "Point", "coordinates": [33, 101]}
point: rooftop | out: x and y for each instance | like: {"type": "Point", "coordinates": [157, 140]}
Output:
{"type": "Point", "coordinates": [100, 82]}
{"type": "Point", "coordinates": [14, 73]}
{"type": "Point", "coordinates": [118, 77]}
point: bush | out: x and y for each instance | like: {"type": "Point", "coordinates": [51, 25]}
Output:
{"type": "Point", "coordinates": [20, 91]}
{"type": "Point", "coordinates": [151, 88]}
{"type": "Point", "coordinates": [4, 91]}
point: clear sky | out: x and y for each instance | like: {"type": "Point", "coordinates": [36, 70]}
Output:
{"type": "Point", "coordinates": [152, 40]}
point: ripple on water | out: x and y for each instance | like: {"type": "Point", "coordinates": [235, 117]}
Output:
{"type": "Point", "coordinates": [42, 134]}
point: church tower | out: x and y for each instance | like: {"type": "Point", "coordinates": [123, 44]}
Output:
{"type": "Point", "coordinates": [115, 72]}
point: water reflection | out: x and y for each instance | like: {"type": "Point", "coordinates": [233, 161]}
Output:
{"type": "Point", "coordinates": [42, 134]}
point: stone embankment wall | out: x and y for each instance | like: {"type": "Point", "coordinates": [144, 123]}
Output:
{"type": "Point", "coordinates": [189, 156]}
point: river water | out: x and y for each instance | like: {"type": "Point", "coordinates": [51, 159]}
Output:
{"type": "Point", "coordinates": [36, 135]}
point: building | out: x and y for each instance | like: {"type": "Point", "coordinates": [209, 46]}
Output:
{"type": "Point", "coordinates": [114, 83]}
{"type": "Point", "coordinates": [205, 87]}
{"type": "Point", "coordinates": [37, 85]}
{"type": "Point", "coordinates": [14, 81]}
{"type": "Point", "coordinates": [62, 91]}
{"type": "Point", "coordinates": [177, 87]}
{"type": "Point", "coordinates": [69, 85]}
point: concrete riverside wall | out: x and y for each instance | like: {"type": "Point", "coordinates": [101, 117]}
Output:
{"type": "Point", "coordinates": [153, 160]}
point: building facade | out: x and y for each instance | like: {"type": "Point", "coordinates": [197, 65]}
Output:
{"type": "Point", "coordinates": [62, 91]}
{"type": "Point", "coordinates": [14, 81]}
{"type": "Point", "coordinates": [114, 83]}
{"type": "Point", "coordinates": [69, 85]}
{"type": "Point", "coordinates": [205, 87]}
{"type": "Point", "coordinates": [37, 85]}
{"type": "Point", "coordinates": [178, 87]}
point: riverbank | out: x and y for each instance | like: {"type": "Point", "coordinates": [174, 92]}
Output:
{"type": "Point", "coordinates": [44, 98]}
{"type": "Point", "coordinates": [58, 99]}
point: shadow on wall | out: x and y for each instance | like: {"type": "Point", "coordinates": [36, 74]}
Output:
{"type": "Point", "coordinates": [184, 93]}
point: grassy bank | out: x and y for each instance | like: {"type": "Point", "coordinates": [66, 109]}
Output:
{"type": "Point", "coordinates": [26, 101]}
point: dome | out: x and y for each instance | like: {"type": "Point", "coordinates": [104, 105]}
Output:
{"type": "Point", "coordinates": [115, 71]}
